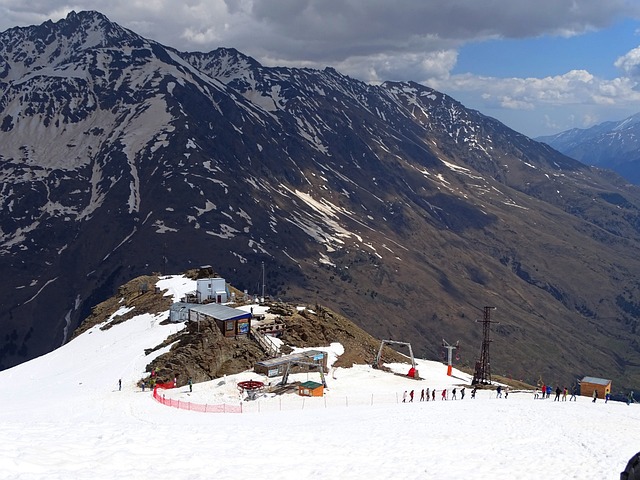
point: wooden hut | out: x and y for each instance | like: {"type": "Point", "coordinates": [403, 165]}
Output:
{"type": "Point", "coordinates": [589, 384]}
{"type": "Point", "coordinates": [311, 389]}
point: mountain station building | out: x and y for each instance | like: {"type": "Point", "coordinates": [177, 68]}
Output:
{"type": "Point", "coordinates": [232, 322]}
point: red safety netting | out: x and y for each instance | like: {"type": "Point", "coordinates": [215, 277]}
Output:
{"type": "Point", "coordinates": [195, 407]}
{"type": "Point", "coordinates": [166, 386]}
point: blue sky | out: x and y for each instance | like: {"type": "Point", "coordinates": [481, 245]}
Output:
{"type": "Point", "coordinates": [540, 67]}
{"type": "Point", "coordinates": [594, 51]}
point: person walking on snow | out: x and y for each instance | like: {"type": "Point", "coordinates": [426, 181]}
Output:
{"type": "Point", "coordinates": [499, 392]}
{"type": "Point", "coordinates": [630, 398]}
{"type": "Point", "coordinates": [558, 392]}
{"type": "Point", "coordinates": [404, 397]}
{"type": "Point", "coordinates": [119, 384]}
{"type": "Point", "coordinates": [574, 391]}
{"type": "Point", "coordinates": [453, 394]}
{"type": "Point", "coordinates": [190, 385]}
{"type": "Point", "coordinates": [462, 393]}
{"type": "Point", "coordinates": [433, 395]}
{"type": "Point", "coordinates": [595, 395]}
{"type": "Point", "coordinates": [422, 395]}
{"type": "Point", "coordinates": [428, 394]}
{"type": "Point", "coordinates": [444, 394]}
{"type": "Point", "coordinates": [411, 396]}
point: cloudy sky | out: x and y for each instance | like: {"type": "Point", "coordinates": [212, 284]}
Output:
{"type": "Point", "coordinates": [539, 66]}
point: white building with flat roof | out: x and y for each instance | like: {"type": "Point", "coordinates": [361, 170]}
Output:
{"type": "Point", "coordinates": [211, 290]}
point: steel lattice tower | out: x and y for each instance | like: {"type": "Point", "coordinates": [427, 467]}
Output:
{"type": "Point", "coordinates": [483, 365]}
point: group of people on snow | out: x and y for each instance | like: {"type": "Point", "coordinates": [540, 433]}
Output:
{"type": "Point", "coordinates": [430, 394]}
{"type": "Point", "coordinates": [545, 392]}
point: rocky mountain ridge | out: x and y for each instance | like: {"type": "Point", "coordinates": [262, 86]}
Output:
{"type": "Point", "coordinates": [391, 204]}
{"type": "Point", "coordinates": [611, 145]}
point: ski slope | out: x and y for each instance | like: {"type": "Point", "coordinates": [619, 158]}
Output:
{"type": "Point", "coordinates": [63, 417]}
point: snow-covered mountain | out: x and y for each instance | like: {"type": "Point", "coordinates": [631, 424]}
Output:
{"type": "Point", "coordinates": [611, 145]}
{"type": "Point", "coordinates": [392, 204]}
{"type": "Point", "coordinates": [63, 416]}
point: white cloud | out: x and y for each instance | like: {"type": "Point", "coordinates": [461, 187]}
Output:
{"type": "Point", "coordinates": [630, 63]}
{"type": "Point", "coordinates": [574, 87]}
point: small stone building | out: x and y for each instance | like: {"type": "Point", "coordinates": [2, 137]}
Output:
{"type": "Point", "coordinates": [600, 385]}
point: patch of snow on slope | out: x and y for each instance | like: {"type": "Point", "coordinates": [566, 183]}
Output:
{"type": "Point", "coordinates": [225, 232]}
{"type": "Point", "coordinates": [176, 286]}
{"type": "Point", "coordinates": [162, 228]}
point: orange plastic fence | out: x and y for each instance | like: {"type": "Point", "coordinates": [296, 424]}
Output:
{"type": "Point", "coordinates": [195, 407]}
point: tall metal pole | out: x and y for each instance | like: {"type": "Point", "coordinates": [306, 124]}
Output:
{"type": "Point", "coordinates": [263, 281]}
{"type": "Point", "coordinates": [483, 365]}
{"type": "Point", "coordinates": [450, 348]}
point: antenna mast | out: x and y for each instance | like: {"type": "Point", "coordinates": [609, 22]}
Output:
{"type": "Point", "coordinates": [263, 281]}
{"type": "Point", "coordinates": [483, 366]}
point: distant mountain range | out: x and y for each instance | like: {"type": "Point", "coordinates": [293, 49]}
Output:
{"type": "Point", "coordinates": [611, 145]}
{"type": "Point", "coordinates": [391, 204]}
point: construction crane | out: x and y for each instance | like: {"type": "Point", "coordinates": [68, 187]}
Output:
{"type": "Point", "coordinates": [413, 373]}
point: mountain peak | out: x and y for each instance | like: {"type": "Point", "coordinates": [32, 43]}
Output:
{"type": "Point", "coordinates": [24, 49]}
{"type": "Point", "coordinates": [613, 144]}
